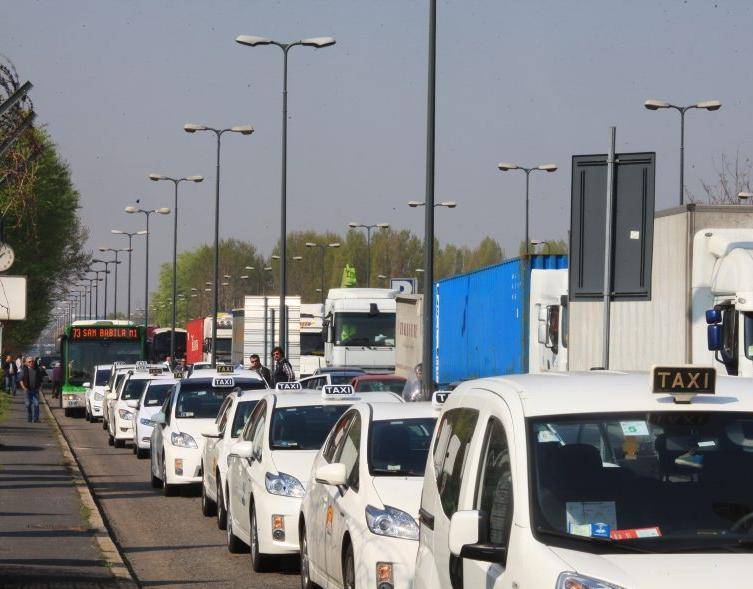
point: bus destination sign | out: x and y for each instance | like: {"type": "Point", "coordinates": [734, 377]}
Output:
{"type": "Point", "coordinates": [104, 333]}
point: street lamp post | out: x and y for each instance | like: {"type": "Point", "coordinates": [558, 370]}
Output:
{"type": "Point", "coordinates": [96, 290]}
{"type": "Point", "coordinates": [115, 251]}
{"type": "Point", "coordinates": [355, 225]}
{"type": "Point", "coordinates": [243, 130]}
{"type": "Point", "coordinates": [175, 181]}
{"type": "Point", "coordinates": [317, 43]}
{"type": "Point", "coordinates": [322, 250]}
{"type": "Point", "coordinates": [506, 167]}
{"type": "Point", "coordinates": [129, 235]}
{"type": "Point", "coordinates": [709, 105]}
{"type": "Point", "coordinates": [147, 213]}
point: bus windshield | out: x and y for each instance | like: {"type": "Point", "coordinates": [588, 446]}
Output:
{"type": "Point", "coordinates": [83, 356]}
{"type": "Point", "coordinates": [364, 329]}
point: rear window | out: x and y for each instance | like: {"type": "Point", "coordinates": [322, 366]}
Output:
{"type": "Point", "coordinates": [389, 385]}
{"type": "Point", "coordinates": [202, 401]}
{"type": "Point", "coordinates": [133, 389]}
{"type": "Point", "coordinates": [156, 394]}
{"type": "Point", "coordinates": [303, 428]}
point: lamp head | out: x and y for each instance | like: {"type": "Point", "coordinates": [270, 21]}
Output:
{"type": "Point", "coordinates": [335, 244]}
{"type": "Point", "coordinates": [383, 225]}
{"type": "Point", "coordinates": [297, 258]}
{"type": "Point", "coordinates": [156, 177]}
{"type": "Point", "coordinates": [250, 268]}
{"type": "Point", "coordinates": [275, 257]}
{"type": "Point", "coordinates": [507, 166]}
{"type": "Point", "coordinates": [142, 232]}
{"type": "Point", "coordinates": [163, 211]}
{"type": "Point", "coordinates": [709, 105]}
{"type": "Point", "coordinates": [130, 209]}
{"type": "Point", "coordinates": [242, 129]}
{"type": "Point", "coordinates": [652, 104]}
{"type": "Point", "coordinates": [745, 195]}
{"type": "Point", "coordinates": [195, 178]}
{"type": "Point", "coordinates": [252, 40]}
{"type": "Point", "coordinates": [193, 127]}
{"type": "Point", "coordinates": [415, 203]}
{"type": "Point", "coordinates": [117, 231]}
{"type": "Point", "coordinates": [450, 204]}
{"type": "Point", "coordinates": [318, 42]}
{"type": "Point", "coordinates": [309, 244]}
{"type": "Point", "coordinates": [354, 225]}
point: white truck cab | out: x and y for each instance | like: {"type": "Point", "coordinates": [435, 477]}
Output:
{"type": "Point", "coordinates": [590, 481]}
{"type": "Point", "coordinates": [360, 328]}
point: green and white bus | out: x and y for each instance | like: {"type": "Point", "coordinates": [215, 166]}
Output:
{"type": "Point", "coordinates": [85, 344]}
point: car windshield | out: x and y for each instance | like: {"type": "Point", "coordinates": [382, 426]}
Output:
{"type": "Point", "coordinates": [667, 480]}
{"type": "Point", "coordinates": [390, 385]}
{"type": "Point", "coordinates": [399, 447]}
{"type": "Point", "coordinates": [156, 394]}
{"type": "Point", "coordinates": [103, 375]}
{"type": "Point", "coordinates": [364, 329]}
{"type": "Point", "coordinates": [303, 428]}
{"type": "Point", "coordinates": [241, 415]}
{"type": "Point", "coordinates": [133, 389]}
{"type": "Point", "coordinates": [202, 400]}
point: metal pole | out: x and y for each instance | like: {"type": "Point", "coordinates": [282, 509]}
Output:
{"type": "Point", "coordinates": [322, 247]}
{"type": "Point", "coordinates": [368, 254]}
{"type": "Point", "coordinates": [96, 297]}
{"type": "Point", "coordinates": [215, 294]}
{"type": "Point", "coordinates": [115, 303]}
{"type": "Point", "coordinates": [608, 248]}
{"type": "Point", "coordinates": [175, 269]}
{"type": "Point", "coordinates": [527, 238]}
{"type": "Point", "coordinates": [428, 377]}
{"type": "Point", "coordinates": [283, 192]}
{"type": "Point", "coordinates": [146, 280]}
{"type": "Point", "coordinates": [130, 251]}
{"type": "Point", "coordinates": [107, 265]}
{"type": "Point", "coordinates": [682, 156]}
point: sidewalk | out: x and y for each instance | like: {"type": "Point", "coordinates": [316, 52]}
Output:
{"type": "Point", "coordinates": [45, 537]}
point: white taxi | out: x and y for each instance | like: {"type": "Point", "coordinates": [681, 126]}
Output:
{"type": "Point", "coordinates": [591, 481]}
{"type": "Point", "coordinates": [176, 442]}
{"type": "Point", "coordinates": [95, 395]}
{"type": "Point", "coordinates": [117, 376]}
{"type": "Point", "coordinates": [270, 465]}
{"type": "Point", "coordinates": [358, 525]}
{"type": "Point", "coordinates": [123, 406]}
{"type": "Point", "coordinates": [150, 403]}
{"type": "Point", "coordinates": [221, 436]}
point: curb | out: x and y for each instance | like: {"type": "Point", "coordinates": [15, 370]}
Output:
{"type": "Point", "coordinates": [110, 553]}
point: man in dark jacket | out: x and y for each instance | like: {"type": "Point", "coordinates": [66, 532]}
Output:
{"type": "Point", "coordinates": [283, 369]}
{"type": "Point", "coordinates": [262, 371]}
{"type": "Point", "coordinates": [31, 381]}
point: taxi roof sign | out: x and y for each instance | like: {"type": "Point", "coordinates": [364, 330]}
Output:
{"type": "Point", "coordinates": [337, 391]}
{"type": "Point", "coordinates": [288, 386]}
{"type": "Point", "coordinates": [219, 382]}
{"type": "Point", "coordinates": [683, 382]}
{"type": "Point", "coordinates": [438, 398]}
{"type": "Point", "coordinates": [178, 374]}
{"type": "Point", "coordinates": [225, 369]}
{"type": "Point", "coordinates": [155, 371]}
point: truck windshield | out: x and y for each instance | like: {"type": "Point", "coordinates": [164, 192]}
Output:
{"type": "Point", "coordinates": [312, 344]}
{"type": "Point", "coordinates": [363, 329]}
{"type": "Point", "coordinates": [666, 481]}
{"type": "Point", "coordinates": [399, 447]}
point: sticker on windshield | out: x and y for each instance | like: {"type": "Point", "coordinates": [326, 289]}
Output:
{"type": "Point", "coordinates": [706, 443]}
{"type": "Point", "coordinates": [545, 436]}
{"type": "Point", "coordinates": [588, 512]}
{"type": "Point", "coordinates": [654, 532]}
{"type": "Point", "coordinates": [597, 530]}
{"type": "Point", "coordinates": [634, 428]}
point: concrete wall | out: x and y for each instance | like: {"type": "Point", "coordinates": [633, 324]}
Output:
{"type": "Point", "coordinates": [408, 334]}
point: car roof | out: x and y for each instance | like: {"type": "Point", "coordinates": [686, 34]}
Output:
{"type": "Point", "coordinates": [563, 393]}
{"type": "Point", "coordinates": [147, 376]}
{"type": "Point", "coordinates": [330, 369]}
{"type": "Point", "coordinates": [388, 411]}
{"type": "Point", "coordinates": [237, 373]}
{"type": "Point", "coordinates": [244, 396]}
{"type": "Point", "coordinates": [169, 380]}
{"type": "Point", "coordinates": [394, 377]}
{"type": "Point", "coordinates": [311, 397]}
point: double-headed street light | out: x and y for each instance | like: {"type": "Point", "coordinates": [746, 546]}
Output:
{"type": "Point", "coordinates": [317, 43]}
{"type": "Point", "coordinates": [709, 105]}
{"type": "Point", "coordinates": [116, 251]}
{"type": "Point", "coordinates": [322, 250]}
{"type": "Point", "coordinates": [129, 235]}
{"type": "Point", "coordinates": [96, 288]}
{"type": "Point", "coordinates": [507, 167]}
{"type": "Point", "coordinates": [356, 225]}
{"type": "Point", "coordinates": [147, 213]}
{"type": "Point", "coordinates": [175, 181]}
{"type": "Point", "coordinates": [450, 204]}
{"type": "Point", "coordinates": [107, 271]}
{"type": "Point", "coordinates": [243, 130]}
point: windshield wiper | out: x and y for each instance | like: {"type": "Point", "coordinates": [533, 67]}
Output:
{"type": "Point", "coordinates": [619, 544]}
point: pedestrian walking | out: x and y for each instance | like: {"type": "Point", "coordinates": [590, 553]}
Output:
{"type": "Point", "coordinates": [57, 379]}
{"type": "Point", "coordinates": [262, 371]}
{"type": "Point", "coordinates": [31, 382]}
{"type": "Point", "coordinates": [7, 362]}
{"type": "Point", "coordinates": [14, 372]}
{"type": "Point", "coordinates": [283, 369]}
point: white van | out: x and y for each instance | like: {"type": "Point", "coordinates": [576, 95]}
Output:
{"type": "Point", "coordinates": [591, 481]}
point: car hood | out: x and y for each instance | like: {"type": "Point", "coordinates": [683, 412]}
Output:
{"type": "Point", "coordinates": [663, 571]}
{"type": "Point", "coordinates": [147, 412]}
{"type": "Point", "coordinates": [194, 427]}
{"type": "Point", "coordinates": [297, 463]}
{"type": "Point", "coordinates": [403, 493]}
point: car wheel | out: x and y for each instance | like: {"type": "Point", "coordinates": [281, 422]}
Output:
{"type": "Point", "coordinates": [259, 562]}
{"type": "Point", "coordinates": [156, 481]}
{"type": "Point", "coordinates": [110, 440]}
{"type": "Point", "coordinates": [141, 453]}
{"type": "Point", "coordinates": [208, 507]}
{"type": "Point", "coordinates": [104, 423]}
{"type": "Point", "coordinates": [221, 511]}
{"type": "Point", "coordinates": [67, 412]}
{"type": "Point", "coordinates": [306, 582]}
{"type": "Point", "coordinates": [119, 443]}
{"type": "Point", "coordinates": [349, 569]}
{"type": "Point", "coordinates": [234, 544]}
{"type": "Point", "coordinates": [168, 489]}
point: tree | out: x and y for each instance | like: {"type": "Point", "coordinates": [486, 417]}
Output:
{"type": "Point", "coordinates": [731, 178]}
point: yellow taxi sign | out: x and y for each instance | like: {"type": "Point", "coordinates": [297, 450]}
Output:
{"type": "Point", "coordinates": [225, 369]}
{"type": "Point", "coordinates": [683, 382]}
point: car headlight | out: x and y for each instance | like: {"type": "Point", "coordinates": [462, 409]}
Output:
{"type": "Point", "coordinates": [147, 422]}
{"type": "Point", "coordinates": [576, 581]}
{"type": "Point", "coordinates": [127, 415]}
{"type": "Point", "coordinates": [283, 484]}
{"type": "Point", "coordinates": [99, 397]}
{"type": "Point", "coordinates": [391, 522]}
{"type": "Point", "coordinates": [182, 440]}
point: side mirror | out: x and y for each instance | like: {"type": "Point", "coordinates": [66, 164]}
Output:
{"type": "Point", "coordinates": [243, 450]}
{"type": "Point", "coordinates": [87, 385]}
{"type": "Point", "coordinates": [159, 418]}
{"type": "Point", "coordinates": [468, 532]}
{"type": "Point", "coordinates": [713, 316]}
{"type": "Point", "coordinates": [134, 404]}
{"type": "Point", "coordinates": [211, 431]}
{"type": "Point", "coordinates": [715, 337]}
{"type": "Point", "coordinates": [331, 474]}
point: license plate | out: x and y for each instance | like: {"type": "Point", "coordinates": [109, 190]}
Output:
{"type": "Point", "coordinates": [72, 404]}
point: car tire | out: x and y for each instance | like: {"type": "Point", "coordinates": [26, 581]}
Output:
{"type": "Point", "coordinates": [118, 443]}
{"type": "Point", "coordinates": [259, 562]}
{"type": "Point", "coordinates": [141, 453]}
{"type": "Point", "coordinates": [156, 481]}
{"type": "Point", "coordinates": [67, 412]}
{"type": "Point", "coordinates": [306, 582]}
{"type": "Point", "coordinates": [234, 544]}
{"type": "Point", "coordinates": [168, 489]}
{"type": "Point", "coordinates": [208, 507]}
{"type": "Point", "coordinates": [221, 511]}
{"type": "Point", "coordinates": [110, 440]}
{"type": "Point", "coordinates": [349, 569]}
{"type": "Point", "coordinates": [104, 424]}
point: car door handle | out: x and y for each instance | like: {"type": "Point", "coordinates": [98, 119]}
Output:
{"type": "Point", "coordinates": [426, 518]}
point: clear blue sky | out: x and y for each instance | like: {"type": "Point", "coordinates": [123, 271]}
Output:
{"type": "Point", "coordinates": [524, 81]}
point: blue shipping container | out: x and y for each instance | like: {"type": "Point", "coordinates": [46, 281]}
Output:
{"type": "Point", "coordinates": [479, 320]}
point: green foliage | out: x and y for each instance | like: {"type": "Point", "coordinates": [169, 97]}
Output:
{"type": "Point", "coordinates": [554, 246]}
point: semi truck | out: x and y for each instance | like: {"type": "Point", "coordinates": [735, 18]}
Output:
{"type": "Point", "coordinates": [700, 309]}
{"type": "Point", "coordinates": [199, 338]}
{"type": "Point", "coordinates": [359, 327]}
{"type": "Point", "coordinates": [256, 330]}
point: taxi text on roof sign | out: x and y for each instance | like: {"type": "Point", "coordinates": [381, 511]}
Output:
{"type": "Point", "coordinates": [223, 381]}
{"type": "Point", "coordinates": [288, 386]}
{"type": "Point", "coordinates": [439, 397]}
{"type": "Point", "coordinates": [155, 371]}
{"type": "Point", "coordinates": [178, 375]}
{"type": "Point", "coordinates": [683, 382]}
{"type": "Point", "coordinates": [334, 391]}
{"type": "Point", "coordinates": [224, 369]}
